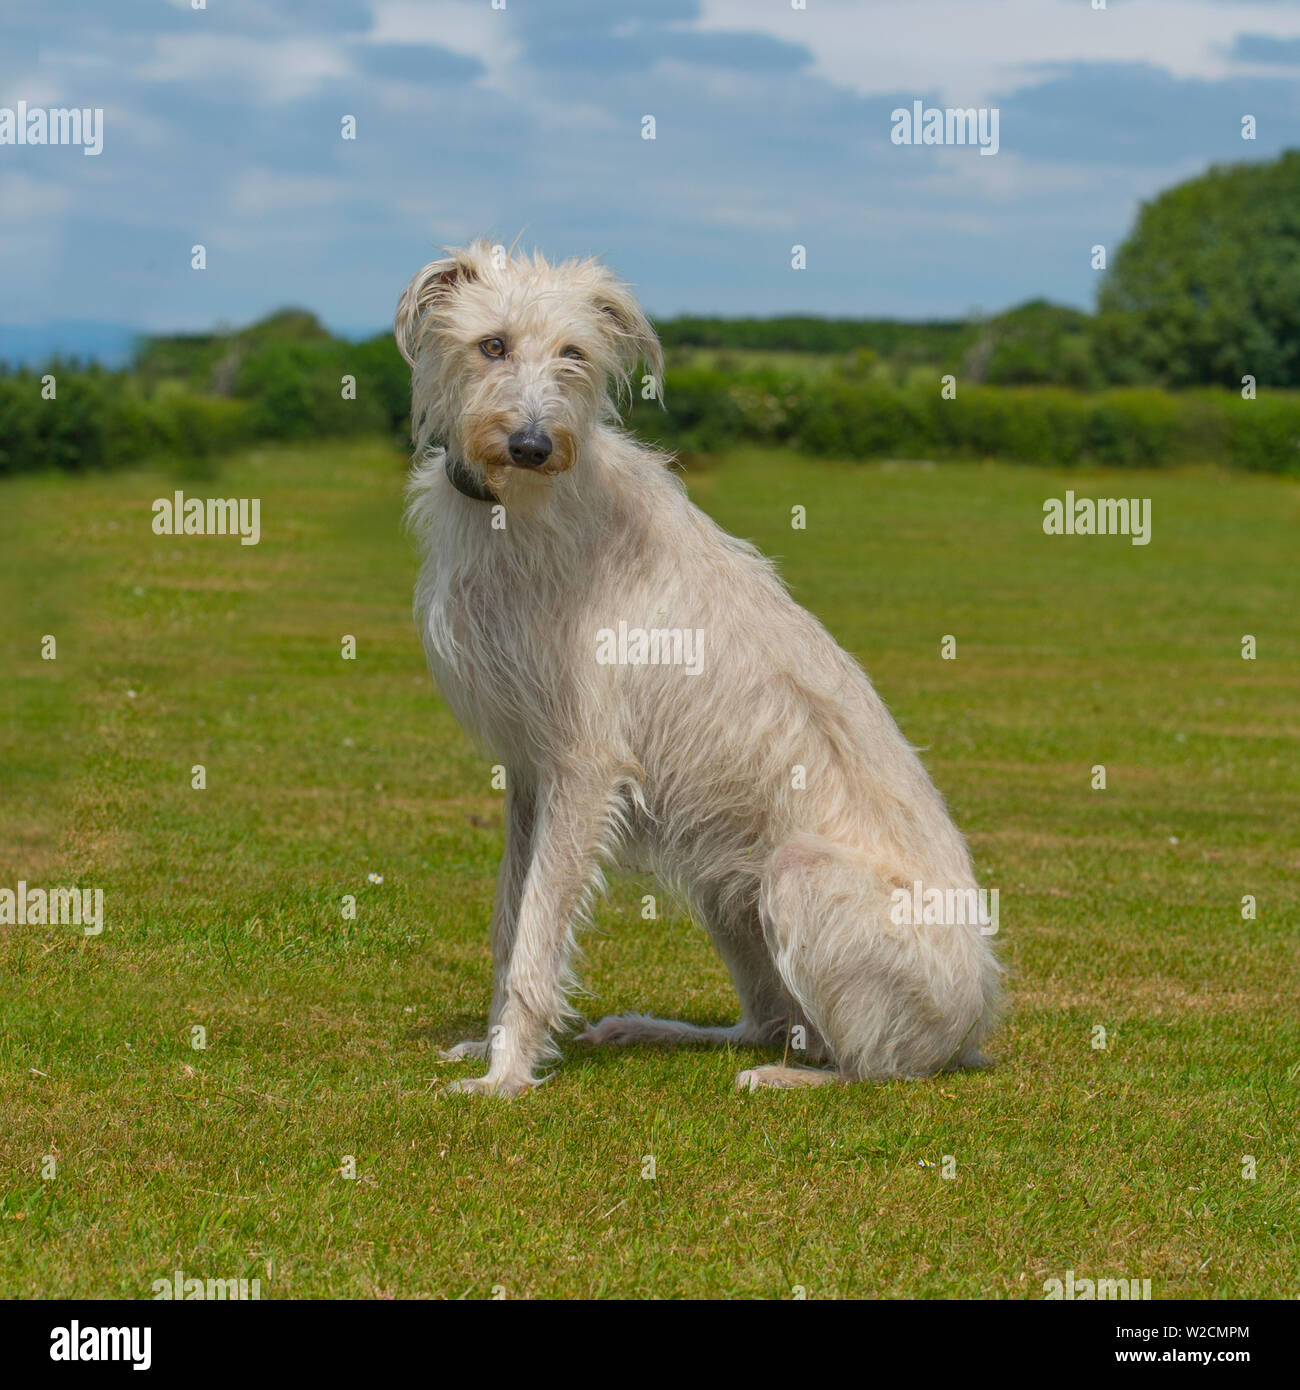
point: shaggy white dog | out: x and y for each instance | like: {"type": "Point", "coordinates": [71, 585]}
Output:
{"type": "Point", "coordinates": [656, 696]}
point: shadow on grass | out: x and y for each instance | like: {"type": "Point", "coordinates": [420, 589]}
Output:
{"type": "Point", "coordinates": [446, 1032]}
{"type": "Point", "coordinates": [602, 1056]}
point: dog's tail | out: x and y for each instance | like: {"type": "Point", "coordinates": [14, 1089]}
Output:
{"type": "Point", "coordinates": [890, 997]}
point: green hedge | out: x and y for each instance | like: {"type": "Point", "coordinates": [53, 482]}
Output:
{"type": "Point", "coordinates": [102, 419]}
{"type": "Point", "coordinates": [282, 390]}
{"type": "Point", "coordinates": [292, 390]}
{"type": "Point", "coordinates": [836, 416]}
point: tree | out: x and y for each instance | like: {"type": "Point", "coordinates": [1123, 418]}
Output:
{"type": "Point", "coordinates": [1034, 342]}
{"type": "Point", "coordinates": [1207, 287]}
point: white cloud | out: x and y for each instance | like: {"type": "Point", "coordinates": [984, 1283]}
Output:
{"type": "Point", "coordinates": [277, 70]}
{"type": "Point", "coordinates": [471, 28]}
{"type": "Point", "coordinates": [975, 53]}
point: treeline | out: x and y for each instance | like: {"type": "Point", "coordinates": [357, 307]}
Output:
{"type": "Point", "coordinates": [1036, 342]}
{"type": "Point", "coordinates": [933, 341]}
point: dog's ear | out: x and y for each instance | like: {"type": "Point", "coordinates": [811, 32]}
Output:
{"type": "Point", "coordinates": [633, 336]}
{"type": "Point", "coordinates": [434, 283]}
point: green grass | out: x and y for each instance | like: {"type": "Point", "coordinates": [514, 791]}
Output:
{"type": "Point", "coordinates": [1119, 908]}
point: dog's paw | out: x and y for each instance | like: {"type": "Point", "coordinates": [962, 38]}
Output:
{"type": "Point", "coordinates": [486, 1086]}
{"type": "Point", "coordinates": [462, 1050]}
{"type": "Point", "coordinates": [774, 1076]}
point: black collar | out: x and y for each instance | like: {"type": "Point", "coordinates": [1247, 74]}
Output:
{"type": "Point", "coordinates": [465, 482]}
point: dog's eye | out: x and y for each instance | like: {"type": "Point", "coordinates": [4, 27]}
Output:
{"type": "Point", "coordinates": [492, 347]}
{"type": "Point", "coordinates": [574, 353]}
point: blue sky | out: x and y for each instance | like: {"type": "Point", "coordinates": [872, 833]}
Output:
{"type": "Point", "coordinates": [222, 127]}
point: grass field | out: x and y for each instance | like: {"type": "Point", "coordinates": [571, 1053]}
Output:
{"type": "Point", "coordinates": [1119, 908]}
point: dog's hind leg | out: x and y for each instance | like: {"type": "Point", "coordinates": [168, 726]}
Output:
{"type": "Point", "coordinates": [890, 1000]}
{"type": "Point", "coordinates": [645, 1028]}
{"type": "Point", "coordinates": [765, 1009]}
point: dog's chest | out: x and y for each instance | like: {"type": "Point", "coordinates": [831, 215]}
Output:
{"type": "Point", "coordinates": [495, 635]}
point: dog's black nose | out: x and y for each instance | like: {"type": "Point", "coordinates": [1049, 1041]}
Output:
{"type": "Point", "coordinates": [529, 448]}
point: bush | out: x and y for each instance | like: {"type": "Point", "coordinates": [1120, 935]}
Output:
{"type": "Point", "coordinates": [295, 391]}
{"type": "Point", "coordinates": [1263, 436]}
{"type": "Point", "coordinates": [183, 425]}
{"type": "Point", "coordinates": [701, 413]}
{"type": "Point", "coordinates": [1036, 343]}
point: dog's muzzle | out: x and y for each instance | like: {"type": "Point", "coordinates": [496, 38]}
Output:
{"type": "Point", "coordinates": [529, 448]}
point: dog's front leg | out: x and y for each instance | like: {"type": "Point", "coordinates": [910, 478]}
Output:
{"type": "Point", "coordinates": [520, 803]}
{"type": "Point", "coordinates": [571, 818]}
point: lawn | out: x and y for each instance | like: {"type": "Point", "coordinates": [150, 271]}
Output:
{"type": "Point", "coordinates": [1120, 910]}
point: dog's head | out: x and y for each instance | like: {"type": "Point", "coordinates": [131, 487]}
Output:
{"type": "Point", "coordinates": [515, 360]}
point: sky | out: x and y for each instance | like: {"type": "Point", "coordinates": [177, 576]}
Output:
{"type": "Point", "coordinates": [223, 127]}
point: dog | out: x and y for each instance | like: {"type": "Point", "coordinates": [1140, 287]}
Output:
{"type": "Point", "coordinates": [566, 580]}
